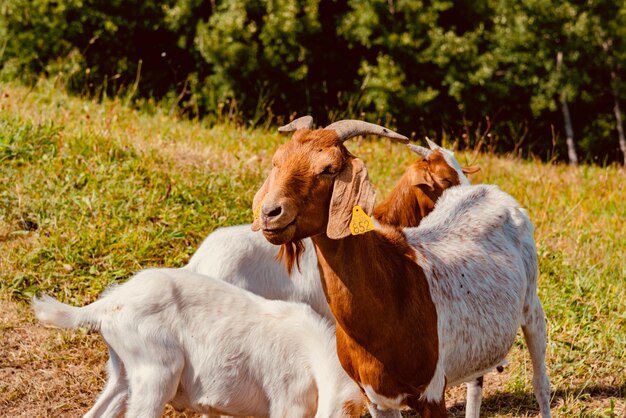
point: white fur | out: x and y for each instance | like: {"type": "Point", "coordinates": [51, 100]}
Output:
{"type": "Point", "coordinates": [246, 259]}
{"type": "Point", "coordinates": [383, 402]}
{"type": "Point", "coordinates": [437, 385]}
{"type": "Point", "coordinates": [474, 398]}
{"type": "Point", "coordinates": [478, 253]}
{"type": "Point", "coordinates": [202, 344]}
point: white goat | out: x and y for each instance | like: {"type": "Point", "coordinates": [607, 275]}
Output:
{"type": "Point", "coordinates": [202, 344]}
{"type": "Point", "coordinates": [489, 224]}
{"type": "Point", "coordinates": [239, 256]}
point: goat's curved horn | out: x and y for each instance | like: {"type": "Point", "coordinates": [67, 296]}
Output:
{"type": "Point", "coordinates": [349, 128]}
{"type": "Point", "coordinates": [304, 122]}
{"type": "Point", "coordinates": [432, 144]}
{"type": "Point", "coordinates": [419, 150]}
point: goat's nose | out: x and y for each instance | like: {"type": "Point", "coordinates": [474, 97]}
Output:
{"type": "Point", "coordinates": [272, 211]}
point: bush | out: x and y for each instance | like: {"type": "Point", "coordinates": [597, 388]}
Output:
{"type": "Point", "coordinates": [483, 72]}
{"type": "Point", "coordinates": [97, 44]}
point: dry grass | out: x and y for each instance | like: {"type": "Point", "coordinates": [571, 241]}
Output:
{"type": "Point", "coordinates": [51, 373]}
{"type": "Point", "coordinates": [90, 193]}
{"type": "Point", "coordinates": [46, 373]}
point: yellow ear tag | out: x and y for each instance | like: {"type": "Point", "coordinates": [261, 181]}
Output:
{"type": "Point", "coordinates": [257, 211]}
{"type": "Point", "coordinates": [360, 223]}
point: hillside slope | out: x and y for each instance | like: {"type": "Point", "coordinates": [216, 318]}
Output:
{"type": "Point", "coordinates": [90, 193]}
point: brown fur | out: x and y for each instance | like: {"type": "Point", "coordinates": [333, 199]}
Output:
{"type": "Point", "coordinates": [441, 171]}
{"type": "Point", "coordinates": [415, 194]}
{"type": "Point", "coordinates": [407, 204]}
{"type": "Point", "coordinates": [377, 340]}
{"type": "Point", "coordinates": [290, 254]}
{"type": "Point", "coordinates": [352, 409]}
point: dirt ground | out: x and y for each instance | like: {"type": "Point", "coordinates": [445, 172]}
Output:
{"type": "Point", "coordinates": [52, 373]}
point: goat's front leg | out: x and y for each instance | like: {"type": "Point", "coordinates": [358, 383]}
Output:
{"type": "Point", "coordinates": [428, 409]}
{"type": "Point", "coordinates": [377, 413]}
{"type": "Point", "coordinates": [474, 398]}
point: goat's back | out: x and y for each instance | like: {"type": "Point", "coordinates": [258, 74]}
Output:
{"type": "Point", "coordinates": [239, 256]}
{"type": "Point", "coordinates": [478, 253]}
{"type": "Point", "coordinates": [231, 341]}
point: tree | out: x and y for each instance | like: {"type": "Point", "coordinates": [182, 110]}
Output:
{"type": "Point", "coordinates": [477, 70]}
{"type": "Point", "coordinates": [607, 29]}
{"type": "Point", "coordinates": [567, 120]}
{"type": "Point", "coordinates": [100, 44]}
{"type": "Point", "coordinates": [281, 54]}
{"type": "Point", "coordinates": [418, 57]}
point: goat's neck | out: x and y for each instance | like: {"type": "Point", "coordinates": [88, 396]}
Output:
{"type": "Point", "coordinates": [381, 301]}
{"type": "Point", "coordinates": [371, 278]}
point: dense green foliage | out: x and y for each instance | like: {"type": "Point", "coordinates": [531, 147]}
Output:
{"type": "Point", "coordinates": [483, 71]}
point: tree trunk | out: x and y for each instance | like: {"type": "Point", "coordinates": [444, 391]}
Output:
{"type": "Point", "coordinates": [606, 46]}
{"type": "Point", "coordinates": [569, 130]}
{"type": "Point", "coordinates": [569, 133]}
{"type": "Point", "coordinates": [618, 116]}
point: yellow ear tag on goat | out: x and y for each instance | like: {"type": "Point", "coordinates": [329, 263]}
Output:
{"type": "Point", "coordinates": [360, 223]}
{"type": "Point", "coordinates": [257, 211]}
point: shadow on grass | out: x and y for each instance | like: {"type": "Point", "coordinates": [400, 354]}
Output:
{"type": "Point", "coordinates": [524, 403]}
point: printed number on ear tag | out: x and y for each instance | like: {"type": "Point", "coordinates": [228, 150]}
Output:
{"type": "Point", "coordinates": [360, 223]}
{"type": "Point", "coordinates": [257, 211]}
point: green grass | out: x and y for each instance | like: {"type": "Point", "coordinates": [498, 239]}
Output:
{"type": "Point", "coordinates": [90, 193]}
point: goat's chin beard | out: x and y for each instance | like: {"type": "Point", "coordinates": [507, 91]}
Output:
{"type": "Point", "coordinates": [280, 236]}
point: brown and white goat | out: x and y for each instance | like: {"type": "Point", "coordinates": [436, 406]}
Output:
{"type": "Point", "coordinates": [248, 260]}
{"type": "Point", "coordinates": [415, 308]}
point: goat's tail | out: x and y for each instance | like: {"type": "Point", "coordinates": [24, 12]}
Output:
{"type": "Point", "coordinates": [527, 221]}
{"type": "Point", "coordinates": [52, 312]}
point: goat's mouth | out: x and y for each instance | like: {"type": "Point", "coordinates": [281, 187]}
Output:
{"type": "Point", "coordinates": [280, 235]}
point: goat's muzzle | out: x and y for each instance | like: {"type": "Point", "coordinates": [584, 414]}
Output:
{"type": "Point", "coordinates": [278, 221]}
{"type": "Point", "coordinates": [282, 235]}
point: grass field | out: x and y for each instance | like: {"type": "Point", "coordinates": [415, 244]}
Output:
{"type": "Point", "coordinates": [90, 193]}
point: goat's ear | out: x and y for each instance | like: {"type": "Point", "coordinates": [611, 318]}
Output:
{"type": "Point", "coordinates": [257, 202]}
{"type": "Point", "coordinates": [471, 170]}
{"type": "Point", "coordinates": [422, 179]}
{"type": "Point", "coordinates": [352, 187]}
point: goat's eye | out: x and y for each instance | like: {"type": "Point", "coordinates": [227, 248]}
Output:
{"type": "Point", "coordinates": [329, 170]}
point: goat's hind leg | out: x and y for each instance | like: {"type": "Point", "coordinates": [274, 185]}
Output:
{"type": "Point", "coordinates": [153, 382]}
{"type": "Point", "coordinates": [112, 400]}
{"type": "Point", "coordinates": [534, 328]}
